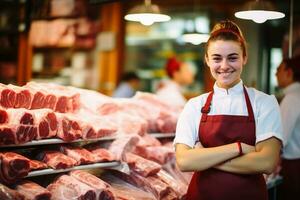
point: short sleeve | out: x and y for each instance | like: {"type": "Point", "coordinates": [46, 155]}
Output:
{"type": "Point", "coordinates": [186, 129]}
{"type": "Point", "coordinates": [290, 114]}
{"type": "Point", "coordinates": [268, 120]}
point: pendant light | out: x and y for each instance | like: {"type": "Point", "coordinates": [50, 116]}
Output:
{"type": "Point", "coordinates": [259, 11]}
{"type": "Point", "coordinates": [146, 14]}
{"type": "Point", "coordinates": [193, 35]}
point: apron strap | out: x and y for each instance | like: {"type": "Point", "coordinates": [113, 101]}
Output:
{"type": "Point", "coordinates": [249, 107]}
{"type": "Point", "coordinates": [206, 108]}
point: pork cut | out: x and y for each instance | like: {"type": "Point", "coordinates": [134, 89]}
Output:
{"type": "Point", "coordinates": [14, 96]}
{"type": "Point", "coordinates": [37, 165]}
{"type": "Point", "coordinates": [167, 114]}
{"type": "Point", "coordinates": [159, 154]}
{"type": "Point", "coordinates": [81, 155]}
{"type": "Point", "coordinates": [141, 165]}
{"type": "Point", "coordinates": [149, 184]}
{"type": "Point", "coordinates": [9, 194]}
{"type": "Point", "coordinates": [67, 187]}
{"type": "Point", "coordinates": [39, 95]}
{"type": "Point", "coordinates": [179, 187]}
{"type": "Point", "coordinates": [56, 97]}
{"type": "Point", "coordinates": [102, 154]}
{"type": "Point", "coordinates": [20, 127]}
{"type": "Point", "coordinates": [103, 189]}
{"type": "Point", "coordinates": [125, 190]}
{"type": "Point", "coordinates": [121, 145]}
{"type": "Point", "coordinates": [46, 122]}
{"type": "Point", "coordinates": [33, 191]}
{"type": "Point", "coordinates": [68, 127]}
{"type": "Point", "coordinates": [13, 167]}
{"type": "Point", "coordinates": [93, 125]}
{"type": "Point", "coordinates": [57, 160]}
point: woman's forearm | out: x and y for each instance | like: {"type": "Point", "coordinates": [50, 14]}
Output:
{"type": "Point", "coordinates": [198, 159]}
{"type": "Point", "coordinates": [263, 160]}
{"type": "Point", "coordinates": [251, 163]}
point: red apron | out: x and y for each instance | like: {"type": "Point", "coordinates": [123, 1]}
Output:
{"type": "Point", "coordinates": [213, 184]}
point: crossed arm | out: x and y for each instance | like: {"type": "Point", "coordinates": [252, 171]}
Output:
{"type": "Point", "coordinates": [261, 158]}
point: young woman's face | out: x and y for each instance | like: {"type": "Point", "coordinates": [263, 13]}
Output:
{"type": "Point", "coordinates": [225, 60]}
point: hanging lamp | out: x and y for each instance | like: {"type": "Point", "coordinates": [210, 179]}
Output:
{"type": "Point", "coordinates": [195, 37]}
{"type": "Point", "coordinates": [146, 14]}
{"type": "Point", "coordinates": [259, 12]}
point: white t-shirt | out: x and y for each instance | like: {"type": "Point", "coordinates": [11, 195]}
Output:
{"type": "Point", "coordinates": [231, 102]}
{"type": "Point", "coordinates": [290, 112]}
{"type": "Point", "coordinates": [171, 93]}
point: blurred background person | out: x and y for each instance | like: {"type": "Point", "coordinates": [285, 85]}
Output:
{"type": "Point", "coordinates": [180, 74]}
{"type": "Point", "coordinates": [288, 76]}
{"type": "Point", "coordinates": [129, 84]}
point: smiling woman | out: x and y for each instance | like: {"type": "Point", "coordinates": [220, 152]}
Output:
{"type": "Point", "coordinates": [238, 128]}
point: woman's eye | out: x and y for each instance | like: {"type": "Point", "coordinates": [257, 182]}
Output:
{"type": "Point", "coordinates": [233, 58]}
{"type": "Point", "coordinates": [216, 59]}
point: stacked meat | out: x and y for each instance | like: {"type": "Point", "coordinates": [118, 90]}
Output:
{"type": "Point", "coordinates": [14, 167]}
{"type": "Point", "coordinates": [43, 110]}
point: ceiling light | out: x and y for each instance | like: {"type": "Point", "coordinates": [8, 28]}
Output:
{"type": "Point", "coordinates": [259, 12]}
{"type": "Point", "coordinates": [146, 14]}
{"type": "Point", "coordinates": [195, 38]}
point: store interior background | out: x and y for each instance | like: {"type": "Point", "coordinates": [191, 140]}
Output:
{"type": "Point", "coordinates": [88, 44]}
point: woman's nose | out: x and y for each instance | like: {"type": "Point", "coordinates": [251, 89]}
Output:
{"type": "Point", "coordinates": [224, 64]}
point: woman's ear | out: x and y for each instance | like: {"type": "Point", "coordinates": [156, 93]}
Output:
{"type": "Point", "coordinates": [245, 60]}
{"type": "Point", "coordinates": [206, 60]}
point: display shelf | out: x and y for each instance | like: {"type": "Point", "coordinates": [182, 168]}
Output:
{"type": "Point", "coordinates": [57, 141]}
{"type": "Point", "coordinates": [42, 172]}
{"type": "Point", "coordinates": [163, 135]}
{"type": "Point", "coordinates": [60, 141]}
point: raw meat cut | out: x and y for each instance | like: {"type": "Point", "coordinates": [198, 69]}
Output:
{"type": "Point", "coordinates": [141, 165]}
{"type": "Point", "coordinates": [47, 123]}
{"type": "Point", "coordinates": [53, 96]}
{"type": "Point", "coordinates": [167, 114]}
{"type": "Point", "coordinates": [56, 160]}
{"type": "Point", "coordinates": [149, 184]}
{"type": "Point", "coordinates": [159, 154]}
{"type": "Point", "coordinates": [125, 190]}
{"type": "Point", "coordinates": [102, 188]}
{"type": "Point", "coordinates": [39, 95]}
{"type": "Point", "coordinates": [14, 97]}
{"type": "Point", "coordinates": [67, 187]}
{"type": "Point", "coordinates": [68, 128]}
{"type": "Point", "coordinates": [3, 116]}
{"type": "Point", "coordinates": [90, 100]}
{"type": "Point", "coordinates": [121, 145]}
{"type": "Point", "coordinates": [177, 186]}
{"type": "Point", "coordinates": [93, 125]}
{"type": "Point", "coordinates": [81, 155]}
{"type": "Point", "coordinates": [33, 191]}
{"type": "Point", "coordinates": [102, 154]}
{"type": "Point", "coordinates": [36, 165]}
{"type": "Point", "coordinates": [20, 123]}
{"type": "Point", "coordinates": [9, 194]}
{"type": "Point", "coordinates": [13, 167]}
